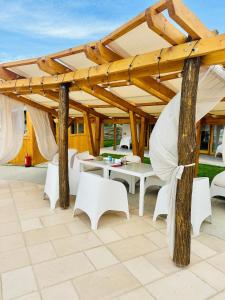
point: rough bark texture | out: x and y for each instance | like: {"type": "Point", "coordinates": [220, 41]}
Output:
{"type": "Point", "coordinates": [186, 154]}
{"type": "Point", "coordinates": [142, 136]}
{"type": "Point", "coordinates": [63, 145]}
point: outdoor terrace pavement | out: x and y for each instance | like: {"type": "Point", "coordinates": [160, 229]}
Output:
{"type": "Point", "coordinates": [50, 255]}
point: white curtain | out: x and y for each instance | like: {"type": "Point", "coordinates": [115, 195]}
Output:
{"type": "Point", "coordinates": [11, 128]}
{"type": "Point", "coordinates": [164, 137]}
{"type": "Point", "coordinates": [44, 135]}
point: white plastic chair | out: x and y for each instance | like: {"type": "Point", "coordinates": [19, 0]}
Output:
{"type": "Point", "coordinates": [131, 180]}
{"type": "Point", "coordinates": [201, 203]}
{"type": "Point", "coordinates": [96, 195]}
{"type": "Point", "coordinates": [125, 141]}
{"type": "Point", "coordinates": [218, 185]}
{"type": "Point", "coordinates": [74, 174]}
{"type": "Point", "coordinates": [52, 178]}
{"type": "Point", "coordinates": [153, 181]}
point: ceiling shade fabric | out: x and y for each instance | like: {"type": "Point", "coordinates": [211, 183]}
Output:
{"type": "Point", "coordinates": [11, 128]}
{"type": "Point", "coordinates": [164, 137]}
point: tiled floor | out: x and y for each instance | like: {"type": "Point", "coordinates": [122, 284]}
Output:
{"type": "Point", "coordinates": [51, 255]}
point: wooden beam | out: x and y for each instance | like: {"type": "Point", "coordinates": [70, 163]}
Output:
{"type": "Point", "coordinates": [188, 20]}
{"type": "Point", "coordinates": [142, 136]}
{"type": "Point", "coordinates": [133, 128]}
{"type": "Point", "coordinates": [63, 146]}
{"type": "Point", "coordinates": [8, 75]}
{"type": "Point", "coordinates": [158, 23]}
{"type": "Point", "coordinates": [98, 131]}
{"type": "Point", "coordinates": [51, 66]}
{"type": "Point", "coordinates": [114, 137]}
{"type": "Point", "coordinates": [186, 156]}
{"type": "Point", "coordinates": [113, 99]}
{"type": "Point", "coordinates": [148, 84]}
{"type": "Point", "coordinates": [88, 131]}
{"type": "Point", "coordinates": [172, 60]}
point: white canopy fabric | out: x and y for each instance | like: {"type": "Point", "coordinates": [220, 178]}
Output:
{"type": "Point", "coordinates": [11, 128]}
{"type": "Point", "coordinates": [45, 138]}
{"type": "Point", "coordinates": [164, 137]}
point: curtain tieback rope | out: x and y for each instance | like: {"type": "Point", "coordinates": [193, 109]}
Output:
{"type": "Point", "coordinates": [180, 170]}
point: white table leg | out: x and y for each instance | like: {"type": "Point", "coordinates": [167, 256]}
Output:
{"type": "Point", "coordinates": [141, 196]}
{"type": "Point", "coordinates": [133, 185]}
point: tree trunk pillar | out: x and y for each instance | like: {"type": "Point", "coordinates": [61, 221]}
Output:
{"type": "Point", "coordinates": [63, 145]}
{"type": "Point", "coordinates": [186, 156]}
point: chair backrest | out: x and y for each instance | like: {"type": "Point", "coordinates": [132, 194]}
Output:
{"type": "Point", "coordinates": [100, 189]}
{"type": "Point", "coordinates": [133, 158]}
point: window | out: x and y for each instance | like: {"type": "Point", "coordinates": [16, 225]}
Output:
{"type": "Point", "coordinates": [77, 128]}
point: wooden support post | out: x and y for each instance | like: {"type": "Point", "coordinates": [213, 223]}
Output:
{"type": "Point", "coordinates": [114, 136]}
{"type": "Point", "coordinates": [98, 131]}
{"type": "Point", "coordinates": [63, 145]}
{"type": "Point", "coordinates": [133, 128]}
{"type": "Point", "coordinates": [186, 156]}
{"type": "Point", "coordinates": [142, 136]}
{"type": "Point", "coordinates": [198, 142]}
{"type": "Point", "coordinates": [88, 131]}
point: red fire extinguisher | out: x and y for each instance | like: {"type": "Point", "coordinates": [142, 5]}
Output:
{"type": "Point", "coordinates": [27, 161]}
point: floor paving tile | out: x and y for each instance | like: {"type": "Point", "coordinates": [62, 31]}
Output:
{"type": "Point", "coordinates": [132, 228]}
{"type": "Point", "coordinates": [42, 235]}
{"type": "Point", "coordinates": [218, 261]}
{"type": "Point", "coordinates": [41, 252]}
{"type": "Point", "coordinates": [77, 227]}
{"type": "Point", "coordinates": [76, 243]}
{"type": "Point", "coordinates": [9, 228]}
{"type": "Point", "coordinates": [105, 284]}
{"type": "Point", "coordinates": [31, 224]}
{"type": "Point", "coordinates": [33, 296]}
{"type": "Point", "coordinates": [157, 238]}
{"type": "Point", "coordinates": [181, 285]}
{"type": "Point", "coordinates": [61, 291]}
{"type": "Point", "coordinates": [62, 269]}
{"type": "Point", "coordinates": [141, 269]}
{"type": "Point", "coordinates": [209, 274]}
{"type": "Point", "coordinates": [13, 259]}
{"type": "Point", "coordinates": [58, 218]}
{"type": "Point", "coordinates": [107, 235]}
{"type": "Point", "coordinates": [220, 296]}
{"type": "Point", "coordinates": [101, 257]}
{"type": "Point", "coordinates": [18, 283]}
{"type": "Point", "coordinates": [132, 247]}
{"type": "Point", "coordinates": [201, 250]}
{"type": "Point", "coordinates": [11, 242]}
{"type": "Point", "coordinates": [140, 294]}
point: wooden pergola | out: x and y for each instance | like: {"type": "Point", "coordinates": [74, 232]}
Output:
{"type": "Point", "coordinates": [128, 76]}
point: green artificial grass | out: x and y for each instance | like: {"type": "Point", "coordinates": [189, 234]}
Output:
{"type": "Point", "coordinates": [109, 143]}
{"type": "Point", "coordinates": [203, 170]}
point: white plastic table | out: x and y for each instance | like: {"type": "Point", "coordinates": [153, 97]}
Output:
{"type": "Point", "coordinates": [140, 170]}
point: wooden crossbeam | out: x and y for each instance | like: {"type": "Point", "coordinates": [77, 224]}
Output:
{"type": "Point", "coordinates": [114, 100]}
{"type": "Point", "coordinates": [142, 104]}
{"type": "Point", "coordinates": [102, 55]}
{"type": "Point", "coordinates": [172, 60]}
{"type": "Point", "coordinates": [158, 23]}
{"type": "Point", "coordinates": [187, 20]}
{"type": "Point", "coordinates": [51, 66]}
{"type": "Point", "coordinates": [54, 68]}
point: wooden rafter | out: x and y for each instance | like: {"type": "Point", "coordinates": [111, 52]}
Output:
{"type": "Point", "coordinates": [53, 67]}
{"type": "Point", "coordinates": [100, 54]}
{"type": "Point", "coordinates": [114, 100]}
{"type": "Point", "coordinates": [172, 60]}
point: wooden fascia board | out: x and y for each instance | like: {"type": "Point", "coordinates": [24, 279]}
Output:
{"type": "Point", "coordinates": [172, 59]}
